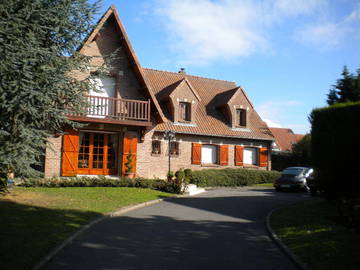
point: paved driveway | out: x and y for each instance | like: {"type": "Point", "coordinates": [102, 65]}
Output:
{"type": "Point", "coordinates": [219, 229]}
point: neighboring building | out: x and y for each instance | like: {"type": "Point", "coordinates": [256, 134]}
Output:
{"type": "Point", "coordinates": [215, 124]}
{"type": "Point", "coordinates": [285, 138]}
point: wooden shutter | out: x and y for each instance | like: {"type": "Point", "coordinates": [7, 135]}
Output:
{"type": "Point", "coordinates": [129, 144]}
{"type": "Point", "coordinates": [239, 155]}
{"type": "Point", "coordinates": [196, 154]}
{"type": "Point", "coordinates": [224, 155]}
{"type": "Point", "coordinates": [263, 157]}
{"type": "Point", "coordinates": [69, 159]}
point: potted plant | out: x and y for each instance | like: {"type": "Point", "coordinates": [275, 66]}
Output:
{"type": "Point", "coordinates": [128, 166]}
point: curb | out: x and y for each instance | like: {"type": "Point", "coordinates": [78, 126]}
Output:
{"type": "Point", "coordinates": [67, 241]}
{"type": "Point", "coordinates": [295, 259]}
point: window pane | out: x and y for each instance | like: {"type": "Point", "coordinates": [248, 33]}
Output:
{"type": "Point", "coordinates": [250, 156]}
{"type": "Point", "coordinates": [209, 154]}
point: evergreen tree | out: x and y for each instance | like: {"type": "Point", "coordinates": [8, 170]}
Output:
{"type": "Point", "coordinates": [346, 89]}
{"type": "Point", "coordinates": [38, 52]}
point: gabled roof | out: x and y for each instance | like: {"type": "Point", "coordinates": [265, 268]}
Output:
{"type": "Point", "coordinates": [209, 120]}
{"type": "Point", "coordinates": [129, 50]}
{"type": "Point", "coordinates": [285, 138]}
{"type": "Point", "coordinates": [186, 81]}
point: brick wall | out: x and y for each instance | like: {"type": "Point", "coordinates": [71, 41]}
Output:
{"type": "Point", "coordinates": [150, 166]}
{"type": "Point", "coordinates": [53, 157]}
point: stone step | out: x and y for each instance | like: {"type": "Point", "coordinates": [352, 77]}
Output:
{"type": "Point", "coordinates": [193, 190]}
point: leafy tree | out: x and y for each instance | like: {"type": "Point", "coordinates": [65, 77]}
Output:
{"type": "Point", "coordinates": [38, 52]}
{"type": "Point", "coordinates": [346, 89]}
{"type": "Point", "coordinates": [301, 151]}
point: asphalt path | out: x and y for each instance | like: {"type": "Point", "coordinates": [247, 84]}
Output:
{"type": "Point", "coordinates": [219, 229]}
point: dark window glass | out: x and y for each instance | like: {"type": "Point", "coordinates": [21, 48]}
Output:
{"type": "Point", "coordinates": [156, 147]}
{"type": "Point", "coordinates": [241, 117]}
{"type": "Point", "coordinates": [185, 111]}
{"type": "Point", "coordinates": [174, 148]}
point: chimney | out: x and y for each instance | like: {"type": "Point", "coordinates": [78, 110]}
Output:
{"type": "Point", "coordinates": [182, 71]}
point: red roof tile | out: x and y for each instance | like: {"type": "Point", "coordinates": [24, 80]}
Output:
{"type": "Point", "coordinates": [209, 120]}
{"type": "Point", "coordinates": [285, 138]}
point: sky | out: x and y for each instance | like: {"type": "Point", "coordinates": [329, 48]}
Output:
{"type": "Point", "coordinates": [286, 54]}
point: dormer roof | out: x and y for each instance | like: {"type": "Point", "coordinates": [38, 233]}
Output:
{"type": "Point", "coordinates": [208, 118]}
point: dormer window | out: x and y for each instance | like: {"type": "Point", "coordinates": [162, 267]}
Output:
{"type": "Point", "coordinates": [184, 111]}
{"type": "Point", "coordinates": [241, 117]}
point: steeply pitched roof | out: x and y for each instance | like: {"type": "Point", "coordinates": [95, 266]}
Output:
{"type": "Point", "coordinates": [285, 138]}
{"type": "Point", "coordinates": [209, 120]}
{"type": "Point", "coordinates": [129, 50]}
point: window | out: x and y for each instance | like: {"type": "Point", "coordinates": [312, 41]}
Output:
{"type": "Point", "coordinates": [174, 148]}
{"type": "Point", "coordinates": [156, 147]}
{"type": "Point", "coordinates": [97, 153]}
{"type": "Point", "coordinates": [209, 154]}
{"type": "Point", "coordinates": [241, 117]}
{"type": "Point", "coordinates": [250, 156]}
{"type": "Point", "coordinates": [185, 111]}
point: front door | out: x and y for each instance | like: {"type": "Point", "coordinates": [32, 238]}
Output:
{"type": "Point", "coordinates": [98, 153]}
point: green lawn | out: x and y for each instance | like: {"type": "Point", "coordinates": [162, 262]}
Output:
{"type": "Point", "coordinates": [264, 185]}
{"type": "Point", "coordinates": [34, 220]}
{"type": "Point", "coordinates": [310, 231]}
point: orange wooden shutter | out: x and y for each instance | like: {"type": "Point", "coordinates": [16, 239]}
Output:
{"type": "Point", "coordinates": [263, 157]}
{"type": "Point", "coordinates": [224, 155]}
{"type": "Point", "coordinates": [129, 144]}
{"type": "Point", "coordinates": [196, 154]}
{"type": "Point", "coordinates": [239, 153]}
{"type": "Point", "coordinates": [69, 160]}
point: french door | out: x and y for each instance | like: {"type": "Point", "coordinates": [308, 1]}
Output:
{"type": "Point", "coordinates": [98, 153]}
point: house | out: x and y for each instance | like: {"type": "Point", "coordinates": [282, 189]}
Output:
{"type": "Point", "coordinates": [215, 123]}
{"type": "Point", "coordinates": [285, 138]}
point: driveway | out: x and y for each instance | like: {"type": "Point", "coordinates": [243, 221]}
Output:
{"type": "Point", "coordinates": [219, 229]}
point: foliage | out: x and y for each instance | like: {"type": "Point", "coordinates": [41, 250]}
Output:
{"type": "Point", "coordinates": [335, 151]}
{"type": "Point", "coordinates": [232, 177]}
{"type": "Point", "coordinates": [346, 89]}
{"type": "Point", "coordinates": [170, 175]}
{"type": "Point", "coordinates": [100, 181]}
{"type": "Point", "coordinates": [3, 182]}
{"type": "Point", "coordinates": [38, 49]}
{"type": "Point", "coordinates": [181, 181]}
{"type": "Point", "coordinates": [54, 214]}
{"type": "Point", "coordinates": [301, 151]}
{"type": "Point", "coordinates": [311, 232]}
{"type": "Point", "coordinates": [128, 164]}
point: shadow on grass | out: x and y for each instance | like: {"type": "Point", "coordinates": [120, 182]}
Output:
{"type": "Point", "coordinates": [27, 232]}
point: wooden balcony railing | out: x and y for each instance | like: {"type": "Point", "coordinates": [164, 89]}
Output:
{"type": "Point", "coordinates": [117, 109]}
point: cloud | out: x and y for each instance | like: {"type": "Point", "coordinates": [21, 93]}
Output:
{"type": "Point", "coordinates": [277, 113]}
{"type": "Point", "coordinates": [330, 35]}
{"type": "Point", "coordinates": [207, 30]}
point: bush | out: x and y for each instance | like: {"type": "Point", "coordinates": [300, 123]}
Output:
{"type": "Point", "coordinates": [232, 177]}
{"type": "Point", "coordinates": [335, 148]}
{"type": "Point", "coordinates": [100, 181]}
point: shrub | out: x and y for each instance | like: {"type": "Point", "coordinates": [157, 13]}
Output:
{"type": "Point", "coordinates": [335, 148]}
{"type": "Point", "coordinates": [232, 177]}
{"type": "Point", "coordinates": [100, 181]}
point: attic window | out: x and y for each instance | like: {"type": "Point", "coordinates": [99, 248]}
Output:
{"type": "Point", "coordinates": [185, 112]}
{"type": "Point", "coordinates": [241, 117]}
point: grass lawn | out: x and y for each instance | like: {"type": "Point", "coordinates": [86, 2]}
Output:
{"type": "Point", "coordinates": [310, 231]}
{"type": "Point", "coordinates": [34, 220]}
{"type": "Point", "coordinates": [264, 185]}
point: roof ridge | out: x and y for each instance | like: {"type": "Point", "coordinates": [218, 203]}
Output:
{"type": "Point", "coordinates": [186, 74]}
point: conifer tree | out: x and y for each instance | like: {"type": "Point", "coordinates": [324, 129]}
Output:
{"type": "Point", "coordinates": [346, 89]}
{"type": "Point", "coordinates": [38, 52]}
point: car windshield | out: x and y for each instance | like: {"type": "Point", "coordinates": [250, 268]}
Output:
{"type": "Point", "coordinates": [293, 171]}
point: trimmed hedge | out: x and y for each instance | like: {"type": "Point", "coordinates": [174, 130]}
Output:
{"type": "Point", "coordinates": [336, 148]}
{"type": "Point", "coordinates": [101, 181]}
{"type": "Point", "coordinates": [232, 177]}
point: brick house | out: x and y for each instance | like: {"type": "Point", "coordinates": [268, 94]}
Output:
{"type": "Point", "coordinates": [215, 123]}
{"type": "Point", "coordinates": [285, 138]}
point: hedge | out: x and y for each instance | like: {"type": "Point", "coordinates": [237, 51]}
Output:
{"type": "Point", "coordinates": [101, 181]}
{"type": "Point", "coordinates": [336, 148]}
{"type": "Point", "coordinates": [232, 177]}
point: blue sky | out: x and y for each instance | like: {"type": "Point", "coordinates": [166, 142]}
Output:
{"type": "Point", "coordinates": [285, 53]}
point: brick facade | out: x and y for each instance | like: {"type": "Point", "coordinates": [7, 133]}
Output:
{"type": "Point", "coordinates": [53, 157]}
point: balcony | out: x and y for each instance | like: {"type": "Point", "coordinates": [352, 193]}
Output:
{"type": "Point", "coordinates": [115, 111]}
